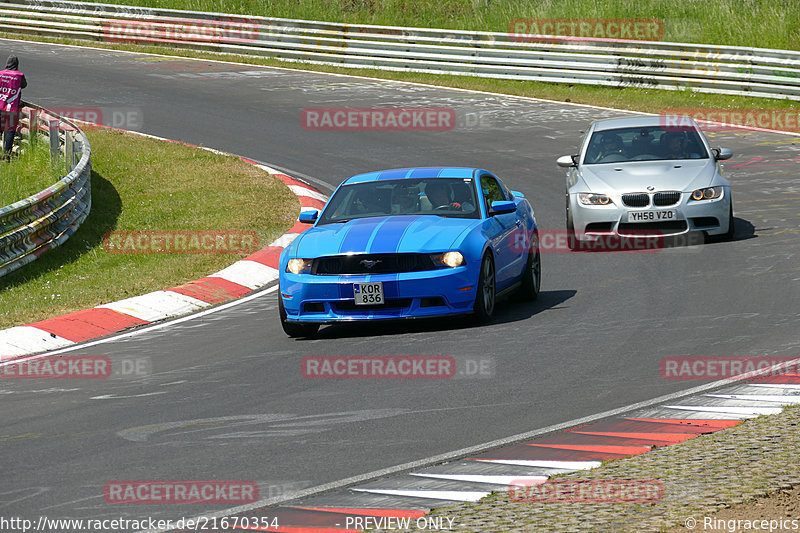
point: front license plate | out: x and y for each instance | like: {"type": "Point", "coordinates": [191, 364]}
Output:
{"type": "Point", "coordinates": [368, 293]}
{"type": "Point", "coordinates": [651, 216]}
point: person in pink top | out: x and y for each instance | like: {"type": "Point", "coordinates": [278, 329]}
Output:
{"type": "Point", "coordinates": [12, 81]}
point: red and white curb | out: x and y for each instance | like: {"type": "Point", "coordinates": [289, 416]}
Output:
{"type": "Point", "coordinates": [239, 279]}
{"type": "Point", "coordinates": [407, 498]}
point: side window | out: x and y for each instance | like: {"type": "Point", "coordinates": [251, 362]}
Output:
{"type": "Point", "coordinates": [492, 191]}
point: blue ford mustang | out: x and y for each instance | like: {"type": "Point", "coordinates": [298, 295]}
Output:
{"type": "Point", "coordinates": [410, 243]}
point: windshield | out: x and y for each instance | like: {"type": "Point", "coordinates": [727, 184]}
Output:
{"type": "Point", "coordinates": [445, 197]}
{"type": "Point", "coordinates": [644, 144]}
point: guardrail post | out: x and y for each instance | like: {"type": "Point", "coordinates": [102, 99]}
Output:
{"type": "Point", "coordinates": [69, 148]}
{"type": "Point", "coordinates": [54, 144]}
{"type": "Point", "coordinates": [33, 125]}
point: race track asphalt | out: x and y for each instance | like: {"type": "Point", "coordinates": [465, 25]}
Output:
{"type": "Point", "coordinates": [225, 398]}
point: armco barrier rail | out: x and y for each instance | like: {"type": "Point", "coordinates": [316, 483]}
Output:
{"type": "Point", "coordinates": [32, 226]}
{"type": "Point", "coordinates": [735, 70]}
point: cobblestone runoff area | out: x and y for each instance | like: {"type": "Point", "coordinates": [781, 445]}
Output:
{"type": "Point", "coordinates": [699, 477]}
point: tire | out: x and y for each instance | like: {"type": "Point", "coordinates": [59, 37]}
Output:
{"type": "Point", "coordinates": [532, 278]}
{"type": "Point", "coordinates": [723, 237]}
{"type": "Point", "coordinates": [294, 329]}
{"type": "Point", "coordinates": [728, 236]}
{"type": "Point", "coordinates": [486, 296]}
{"type": "Point", "coordinates": [571, 238]}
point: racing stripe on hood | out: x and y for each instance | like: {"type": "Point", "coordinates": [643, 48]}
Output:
{"type": "Point", "coordinates": [390, 234]}
{"type": "Point", "coordinates": [399, 173]}
{"type": "Point", "coordinates": [359, 234]}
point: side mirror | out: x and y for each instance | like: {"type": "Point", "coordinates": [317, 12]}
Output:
{"type": "Point", "coordinates": [502, 207]}
{"type": "Point", "coordinates": [722, 153]}
{"type": "Point", "coordinates": [567, 161]}
{"type": "Point", "coordinates": [308, 217]}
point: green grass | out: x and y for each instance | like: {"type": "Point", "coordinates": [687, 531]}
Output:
{"type": "Point", "coordinates": [29, 173]}
{"type": "Point", "coordinates": [143, 184]}
{"type": "Point", "coordinates": [759, 23]}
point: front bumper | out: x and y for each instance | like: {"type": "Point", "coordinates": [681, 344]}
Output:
{"type": "Point", "coordinates": [325, 299]}
{"type": "Point", "coordinates": [593, 222]}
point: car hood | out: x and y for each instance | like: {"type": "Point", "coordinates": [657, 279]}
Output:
{"type": "Point", "coordinates": [682, 175]}
{"type": "Point", "coordinates": [376, 235]}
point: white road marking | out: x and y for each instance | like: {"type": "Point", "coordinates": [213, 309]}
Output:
{"type": "Point", "coordinates": [452, 495]}
{"type": "Point", "coordinates": [305, 191]}
{"type": "Point", "coordinates": [155, 306]}
{"type": "Point", "coordinates": [730, 410]}
{"type": "Point", "coordinates": [147, 329]}
{"type": "Point", "coordinates": [248, 273]}
{"type": "Point", "coordinates": [487, 478]}
{"type": "Point", "coordinates": [115, 397]}
{"type": "Point", "coordinates": [560, 465]}
{"type": "Point", "coordinates": [20, 340]}
{"type": "Point", "coordinates": [778, 398]}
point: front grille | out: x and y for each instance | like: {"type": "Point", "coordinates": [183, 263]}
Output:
{"type": "Point", "coordinates": [396, 303]}
{"type": "Point", "coordinates": [665, 198]}
{"type": "Point", "coordinates": [636, 199]}
{"type": "Point", "coordinates": [371, 264]}
{"type": "Point", "coordinates": [652, 228]}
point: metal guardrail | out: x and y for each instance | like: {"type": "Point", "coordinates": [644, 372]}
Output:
{"type": "Point", "coordinates": [734, 70]}
{"type": "Point", "coordinates": [32, 226]}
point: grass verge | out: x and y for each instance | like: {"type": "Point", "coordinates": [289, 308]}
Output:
{"type": "Point", "coordinates": [141, 184]}
{"type": "Point", "coordinates": [759, 23]}
{"type": "Point", "coordinates": [28, 173]}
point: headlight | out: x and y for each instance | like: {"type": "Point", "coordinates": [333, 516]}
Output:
{"type": "Point", "coordinates": [448, 259]}
{"type": "Point", "coordinates": [298, 266]}
{"type": "Point", "coordinates": [708, 193]}
{"type": "Point", "coordinates": [587, 198]}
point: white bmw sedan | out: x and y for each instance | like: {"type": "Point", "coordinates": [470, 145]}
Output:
{"type": "Point", "coordinates": [647, 176]}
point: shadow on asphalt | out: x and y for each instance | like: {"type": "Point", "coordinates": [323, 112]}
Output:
{"type": "Point", "coordinates": [743, 230]}
{"type": "Point", "coordinates": [507, 311]}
